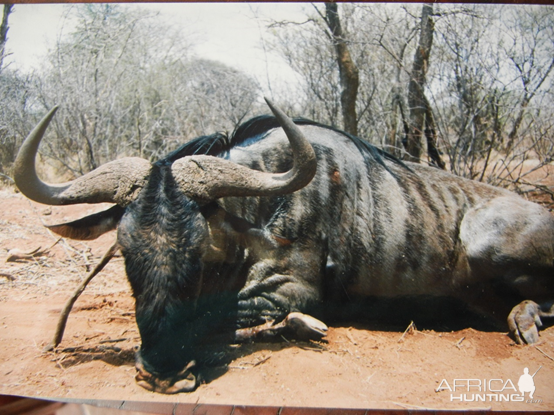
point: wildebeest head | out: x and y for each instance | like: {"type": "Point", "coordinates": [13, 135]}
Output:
{"type": "Point", "coordinates": [163, 234]}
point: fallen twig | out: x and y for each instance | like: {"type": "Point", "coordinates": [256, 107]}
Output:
{"type": "Point", "coordinates": [252, 364]}
{"type": "Point", "coordinates": [6, 177]}
{"type": "Point", "coordinates": [237, 367]}
{"type": "Point", "coordinates": [18, 255]}
{"type": "Point", "coordinates": [315, 347]}
{"type": "Point", "coordinates": [110, 319]}
{"type": "Point", "coordinates": [265, 359]}
{"type": "Point", "coordinates": [459, 342]}
{"type": "Point", "coordinates": [349, 335]}
{"type": "Point", "coordinates": [114, 340]}
{"type": "Point", "coordinates": [60, 328]}
{"type": "Point", "coordinates": [9, 277]}
{"type": "Point", "coordinates": [536, 347]}
{"type": "Point", "coordinates": [93, 336]}
{"type": "Point", "coordinates": [59, 362]}
{"type": "Point", "coordinates": [411, 328]}
{"type": "Point", "coordinates": [90, 349]}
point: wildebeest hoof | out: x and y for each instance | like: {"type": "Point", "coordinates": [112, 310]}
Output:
{"type": "Point", "coordinates": [302, 326]}
{"type": "Point", "coordinates": [524, 321]}
{"type": "Point", "coordinates": [306, 327]}
{"type": "Point", "coordinates": [184, 381]}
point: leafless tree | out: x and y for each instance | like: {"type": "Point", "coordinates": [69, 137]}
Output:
{"type": "Point", "coordinates": [481, 100]}
{"type": "Point", "coordinates": [389, 41]}
{"type": "Point", "coordinates": [128, 85]}
{"type": "Point", "coordinates": [308, 50]}
{"type": "Point", "coordinates": [348, 71]}
{"type": "Point", "coordinates": [189, 98]}
{"type": "Point", "coordinates": [15, 122]}
{"type": "Point", "coordinates": [530, 49]}
{"type": "Point", "coordinates": [14, 94]}
{"type": "Point", "coordinates": [422, 122]}
{"type": "Point", "coordinates": [468, 97]}
{"type": "Point", "coordinates": [492, 92]}
{"type": "Point", "coordinates": [4, 27]}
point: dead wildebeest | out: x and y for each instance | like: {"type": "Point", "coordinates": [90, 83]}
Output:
{"type": "Point", "coordinates": [283, 221]}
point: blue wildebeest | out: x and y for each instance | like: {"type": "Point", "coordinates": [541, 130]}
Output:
{"type": "Point", "coordinates": [284, 223]}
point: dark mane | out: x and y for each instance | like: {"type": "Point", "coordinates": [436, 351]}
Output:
{"type": "Point", "coordinates": [220, 143]}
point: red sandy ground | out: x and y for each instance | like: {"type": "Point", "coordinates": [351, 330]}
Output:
{"type": "Point", "coordinates": [355, 367]}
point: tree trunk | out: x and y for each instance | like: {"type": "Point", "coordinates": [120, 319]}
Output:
{"type": "Point", "coordinates": [421, 116]}
{"type": "Point", "coordinates": [431, 135]}
{"type": "Point", "coordinates": [398, 109]}
{"type": "Point", "coordinates": [349, 78]}
{"type": "Point", "coordinates": [4, 32]}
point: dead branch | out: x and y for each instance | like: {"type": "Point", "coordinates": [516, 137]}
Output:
{"type": "Point", "coordinates": [544, 353]}
{"type": "Point", "coordinates": [411, 329]}
{"type": "Point", "coordinates": [283, 23]}
{"type": "Point", "coordinates": [9, 277]}
{"type": "Point", "coordinates": [459, 342]}
{"type": "Point", "coordinates": [242, 366]}
{"type": "Point", "coordinates": [263, 360]}
{"type": "Point", "coordinates": [315, 347]}
{"type": "Point", "coordinates": [60, 328]}
{"type": "Point", "coordinates": [349, 335]}
{"type": "Point", "coordinates": [90, 349]}
{"type": "Point", "coordinates": [122, 339]}
{"type": "Point", "coordinates": [18, 255]}
{"type": "Point", "coordinates": [6, 177]}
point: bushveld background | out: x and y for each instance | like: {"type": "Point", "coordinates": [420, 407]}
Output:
{"type": "Point", "coordinates": [467, 88]}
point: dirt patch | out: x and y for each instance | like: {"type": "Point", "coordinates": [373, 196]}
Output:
{"type": "Point", "coordinates": [355, 367]}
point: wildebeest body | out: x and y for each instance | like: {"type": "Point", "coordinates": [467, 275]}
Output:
{"type": "Point", "coordinates": [364, 229]}
{"type": "Point", "coordinates": [207, 258]}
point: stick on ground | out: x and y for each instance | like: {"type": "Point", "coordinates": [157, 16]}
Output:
{"type": "Point", "coordinates": [410, 329]}
{"type": "Point", "coordinates": [60, 328]}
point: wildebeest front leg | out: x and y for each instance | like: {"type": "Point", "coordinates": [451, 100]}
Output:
{"type": "Point", "coordinates": [273, 303]}
{"type": "Point", "coordinates": [525, 320]}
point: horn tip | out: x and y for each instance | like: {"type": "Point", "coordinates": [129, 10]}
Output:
{"type": "Point", "coordinates": [274, 109]}
{"type": "Point", "coordinates": [270, 103]}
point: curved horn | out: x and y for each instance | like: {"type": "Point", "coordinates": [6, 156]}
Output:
{"type": "Point", "coordinates": [209, 178]}
{"type": "Point", "coordinates": [115, 182]}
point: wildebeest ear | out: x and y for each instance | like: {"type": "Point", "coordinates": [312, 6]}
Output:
{"type": "Point", "coordinates": [90, 227]}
